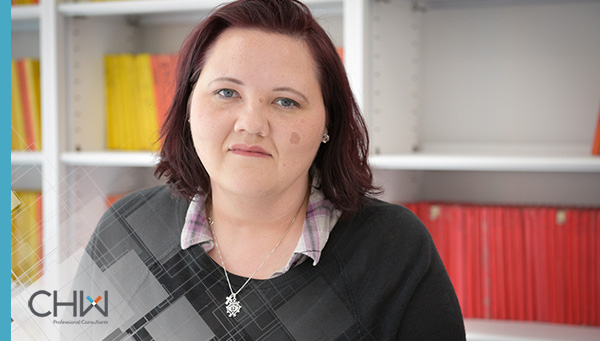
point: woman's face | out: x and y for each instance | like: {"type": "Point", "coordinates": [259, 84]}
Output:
{"type": "Point", "coordinates": [257, 115]}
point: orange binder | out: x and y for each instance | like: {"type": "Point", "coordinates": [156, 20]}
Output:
{"type": "Point", "coordinates": [340, 51]}
{"type": "Point", "coordinates": [112, 198]}
{"type": "Point", "coordinates": [30, 102]}
{"type": "Point", "coordinates": [18, 133]}
{"type": "Point", "coordinates": [163, 70]}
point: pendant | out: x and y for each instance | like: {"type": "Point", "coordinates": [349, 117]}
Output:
{"type": "Point", "coordinates": [232, 305]}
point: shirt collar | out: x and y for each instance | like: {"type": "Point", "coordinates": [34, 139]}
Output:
{"type": "Point", "coordinates": [321, 216]}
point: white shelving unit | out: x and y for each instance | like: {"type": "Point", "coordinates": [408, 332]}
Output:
{"type": "Point", "coordinates": [492, 93]}
{"type": "Point", "coordinates": [480, 101]}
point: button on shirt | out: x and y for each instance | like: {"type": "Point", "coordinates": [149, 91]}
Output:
{"type": "Point", "coordinates": [321, 216]}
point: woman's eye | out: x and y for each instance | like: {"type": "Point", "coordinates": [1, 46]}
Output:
{"type": "Point", "coordinates": [286, 102]}
{"type": "Point", "coordinates": [227, 93]}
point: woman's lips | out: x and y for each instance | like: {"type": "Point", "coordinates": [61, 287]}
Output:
{"type": "Point", "coordinates": [252, 151]}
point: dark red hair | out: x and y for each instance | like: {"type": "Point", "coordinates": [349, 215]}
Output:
{"type": "Point", "coordinates": [342, 163]}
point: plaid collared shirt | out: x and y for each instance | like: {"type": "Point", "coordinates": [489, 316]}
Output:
{"type": "Point", "coordinates": [321, 216]}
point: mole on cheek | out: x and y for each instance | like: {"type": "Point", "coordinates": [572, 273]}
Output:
{"type": "Point", "coordinates": [260, 100]}
{"type": "Point", "coordinates": [295, 138]}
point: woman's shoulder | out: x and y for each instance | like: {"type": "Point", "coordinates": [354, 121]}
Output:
{"type": "Point", "coordinates": [384, 227]}
{"type": "Point", "coordinates": [389, 217]}
{"type": "Point", "coordinates": [374, 205]}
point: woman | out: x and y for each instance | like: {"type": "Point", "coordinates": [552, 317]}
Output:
{"type": "Point", "coordinates": [266, 229]}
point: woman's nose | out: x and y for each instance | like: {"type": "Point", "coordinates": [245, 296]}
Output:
{"type": "Point", "coordinates": [253, 118]}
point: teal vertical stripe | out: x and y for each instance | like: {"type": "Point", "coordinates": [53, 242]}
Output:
{"type": "Point", "coordinates": [5, 169]}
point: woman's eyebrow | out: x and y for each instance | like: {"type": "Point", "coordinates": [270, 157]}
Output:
{"type": "Point", "coordinates": [284, 88]}
{"type": "Point", "coordinates": [227, 79]}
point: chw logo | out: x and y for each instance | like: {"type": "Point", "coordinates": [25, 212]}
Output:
{"type": "Point", "coordinates": [84, 305]}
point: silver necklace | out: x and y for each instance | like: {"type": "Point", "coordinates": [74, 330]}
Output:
{"type": "Point", "coordinates": [232, 305]}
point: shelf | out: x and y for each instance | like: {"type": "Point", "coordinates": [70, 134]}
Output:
{"type": "Point", "coordinates": [134, 7]}
{"type": "Point", "coordinates": [110, 159]}
{"type": "Point", "coordinates": [481, 329]}
{"type": "Point", "coordinates": [24, 12]}
{"type": "Point", "coordinates": [156, 6]}
{"type": "Point", "coordinates": [450, 4]}
{"type": "Point", "coordinates": [458, 162]}
{"type": "Point", "coordinates": [26, 158]}
{"type": "Point", "coordinates": [25, 18]}
{"type": "Point", "coordinates": [26, 170]}
{"type": "Point", "coordinates": [391, 162]}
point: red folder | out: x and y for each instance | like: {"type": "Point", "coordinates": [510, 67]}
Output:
{"type": "Point", "coordinates": [475, 276]}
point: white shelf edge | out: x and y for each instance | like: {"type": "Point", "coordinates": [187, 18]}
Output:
{"type": "Point", "coordinates": [450, 4]}
{"type": "Point", "coordinates": [110, 159]}
{"type": "Point", "coordinates": [153, 6]}
{"type": "Point", "coordinates": [576, 164]}
{"type": "Point", "coordinates": [488, 330]}
{"type": "Point", "coordinates": [133, 7]}
{"type": "Point", "coordinates": [457, 162]}
{"type": "Point", "coordinates": [26, 158]}
{"type": "Point", "coordinates": [25, 12]}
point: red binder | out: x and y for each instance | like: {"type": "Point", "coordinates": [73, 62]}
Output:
{"type": "Point", "coordinates": [454, 232]}
{"type": "Point", "coordinates": [520, 263]}
{"type": "Point", "coordinates": [514, 237]}
{"type": "Point", "coordinates": [476, 298]}
{"type": "Point", "coordinates": [538, 263]}
{"type": "Point", "coordinates": [575, 246]}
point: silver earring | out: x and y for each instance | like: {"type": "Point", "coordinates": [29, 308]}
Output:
{"type": "Point", "coordinates": [325, 138]}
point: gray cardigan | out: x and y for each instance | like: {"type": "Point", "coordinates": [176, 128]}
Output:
{"type": "Point", "coordinates": [379, 278]}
